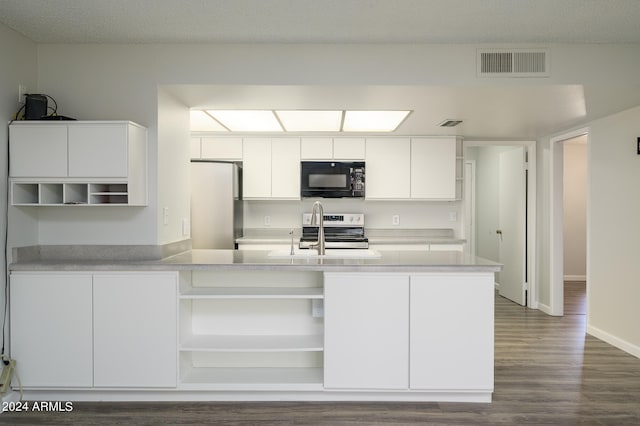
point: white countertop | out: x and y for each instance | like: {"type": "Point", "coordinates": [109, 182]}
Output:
{"type": "Point", "coordinates": [389, 261]}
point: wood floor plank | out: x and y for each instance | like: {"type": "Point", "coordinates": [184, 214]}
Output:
{"type": "Point", "coordinates": [547, 372]}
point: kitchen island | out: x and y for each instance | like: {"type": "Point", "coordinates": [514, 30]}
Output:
{"type": "Point", "coordinates": [244, 325]}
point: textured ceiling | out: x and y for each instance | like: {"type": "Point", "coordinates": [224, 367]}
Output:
{"type": "Point", "coordinates": [330, 21]}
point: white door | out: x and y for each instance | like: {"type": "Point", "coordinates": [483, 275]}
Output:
{"type": "Point", "coordinates": [512, 224]}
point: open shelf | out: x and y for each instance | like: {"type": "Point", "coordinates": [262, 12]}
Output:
{"type": "Point", "coordinates": [252, 293]}
{"type": "Point", "coordinates": [68, 194]}
{"type": "Point", "coordinates": [218, 343]}
{"type": "Point", "coordinates": [234, 378]}
{"type": "Point", "coordinates": [25, 194]}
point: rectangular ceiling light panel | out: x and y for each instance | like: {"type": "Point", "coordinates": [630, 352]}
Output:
{"type": "Point", "coordinates": [202, 122]}
{"type": "Point", "coordinates": [247, 120]}
{"type": "Point", "coordinates": [373, 121]}
{"type": "Point", "coordinates": [310, 121]}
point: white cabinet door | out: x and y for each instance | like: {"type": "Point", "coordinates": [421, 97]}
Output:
{"type": "Point", "coordinates": [38, 150]}
{"type": "Point", "coordinates": [349, 148]}
{"type": "Point", "coordinates": [285, 168]}
{"type": "Point", "coordinates": [448, 350]}
{"type": "Point", "coordinates": [229, 149]}
{"type": "Point", "coordinates": [98, 150]}
{"type": "Point", "coordinates": [433, 168]}
{"type": "Point", "coordinates": [388, 168]}
{"type": "Point", "coordinates": [366, 331]}
{"type": "Point", "coordinates": [51, 329]}
{"type": "Point", "coordinates": [135, 330]}
{"type": "Point", "coordinates": [195, 149]}
{"type": "Point", "coordinates": [316, 148]}
{"type": "Point", "coordinates": [256, 168]}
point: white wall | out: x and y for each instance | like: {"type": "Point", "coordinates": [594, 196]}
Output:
{"type": "Point", "coordinates": [175, 181]}
{"type": "Point", "coordinates": [122, 81]}
{"type": "Point", "coordinates": [18, 66]}
{"type": "Point", "coordinates": [575, 208]}
{"type": "Point", "coordinates": [614, 233]}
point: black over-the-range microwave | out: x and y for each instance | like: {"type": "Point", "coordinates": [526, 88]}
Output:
{"type": "Point", "coordinates": [332, 179]}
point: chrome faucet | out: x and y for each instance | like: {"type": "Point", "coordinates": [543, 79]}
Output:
{"type": "Point", "coordinates": [317, 207]}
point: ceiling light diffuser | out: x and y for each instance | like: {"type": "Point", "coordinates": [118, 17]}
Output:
{"type": "Point", "coordinates": [310, 121]}
{"type": "Point", "coordinates": [373, 121]}
{"type": "Point", "coordinates": [247, 120]}
{"type": "Point", "coordinates": [202, 122]}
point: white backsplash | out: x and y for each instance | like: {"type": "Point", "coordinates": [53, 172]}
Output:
{"type": "Point", "coordinates": [378, 214]}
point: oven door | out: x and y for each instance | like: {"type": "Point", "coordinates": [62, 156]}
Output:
{"type": "Point", "coordinates": [329, 179]}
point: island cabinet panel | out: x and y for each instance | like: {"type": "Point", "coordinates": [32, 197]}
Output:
{"type": "Point", "coordinates": [366, 331]}
{"type": "Point", "coordinates": [51, 329]}
{"type": "Point", "coordinates": [135, 330]}
{"type": "Point", "coordinates": [94, 330]}
{"type": "Point", "coordinates": [451, 332]}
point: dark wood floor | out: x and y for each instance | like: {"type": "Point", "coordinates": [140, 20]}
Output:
{"type": "Point", "coordinates": [547, 372]}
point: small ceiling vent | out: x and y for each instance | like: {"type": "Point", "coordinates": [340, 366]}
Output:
{"type": "Point", "coordinates": [449, 123]}
{"type": "Point", "coordinates": [512, 63]}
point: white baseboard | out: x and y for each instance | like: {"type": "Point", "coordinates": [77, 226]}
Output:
{"type": "Point", "coordinates": [575, 277]}
{"type": "Point", "coordinates": [496, 285]}
{"type": "Point", "coordinates": [614, 341]}
{"type": "Point", "coordinates": [544, 308]}
{"type": "Point", "coordinates": [10, 396]}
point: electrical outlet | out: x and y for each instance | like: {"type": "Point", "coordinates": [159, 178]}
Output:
{"type": "Point", "coordinates": [395, 219]}
{"type": "Point", "coordinates": [267, 221]}
{"type": "Point", "coordinates": [22, 90]}
{"type": "Point", "coordinates": [317, 308]}
{"type": "Point", "coordinates": [165, 216]}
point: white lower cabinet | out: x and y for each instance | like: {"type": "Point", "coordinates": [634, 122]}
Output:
{"type": "Point", "coordinates": [451, 332]}
{"type": "Point", "coordinates": [418, 332]}
{"type": "Point", "coordinates": [135, 330]}
{"type": "Point", "coordinates": [94, 330]}
{"type": "Point", "coordinates": [366, 331]}
{"type": "Point", "coordinates": [51, 329]}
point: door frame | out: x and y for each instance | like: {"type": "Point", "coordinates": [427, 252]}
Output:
{"type": "Point", "coordinates": [556, 233]}
{"type": "Point", "coordinates": [469, 203]}
{"type": "Point", "coordinates": [531, 257]}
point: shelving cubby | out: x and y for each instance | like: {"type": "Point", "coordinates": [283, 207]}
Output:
{"type": "Point", "coordinates": [250, 330]}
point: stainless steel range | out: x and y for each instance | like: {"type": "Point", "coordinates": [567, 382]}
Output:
{"type": "Point", "coordinates": [342, 230]}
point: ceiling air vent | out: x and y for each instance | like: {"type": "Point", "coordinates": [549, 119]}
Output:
{"type": "Point", "coordinates": [513, 63]}
{"type": "Point", "coordinates": [449, 123]}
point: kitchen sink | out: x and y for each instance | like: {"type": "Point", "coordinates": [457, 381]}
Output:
{"type": "Point", "coordinates": [329, 254]}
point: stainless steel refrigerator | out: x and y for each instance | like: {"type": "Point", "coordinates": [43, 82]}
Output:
{"type": "Point", "coordinates": [216, 204]}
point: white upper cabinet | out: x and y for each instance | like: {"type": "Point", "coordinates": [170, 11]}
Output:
{"type": "Point", "coordinates": [271, 168]}
{"type": "Point", "coordinates": [327, 148]}
{"type": "Point", "coordinates": [388, 165]}
{"type": "Point", "coordinates": [221, 148]}
{"type": "Point", "coordinates": [433, 168]}
{"type": "Point", "coordinates": [98, 150]}
{"type": "Point", "coordinates": [78, 163]}
{"type": "Point", "coordinates": [316, 148]}
{"type": "Point", "coordinates": [195, 148]}
{"type": "Point", "coordinates": [285, 168]}
{"type": "Point", "coordinates": [256, 168]}
{"type": "Point", "coordinates": [38, 150]}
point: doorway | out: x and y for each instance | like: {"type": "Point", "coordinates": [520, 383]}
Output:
{"type": "Point", "coordinates": [504, 225]}
{"type": "Point", "coordinates": [568, 259]}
